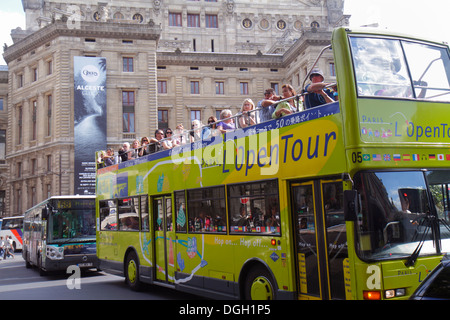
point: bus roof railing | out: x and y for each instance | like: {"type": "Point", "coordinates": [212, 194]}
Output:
{"type": "Point", "coordinates": [157, 146]}
{"type": "Point", "coordinates": [314, 64]}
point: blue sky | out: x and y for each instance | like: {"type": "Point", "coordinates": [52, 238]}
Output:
{"type": "Point", "coordinates": [427, 18]}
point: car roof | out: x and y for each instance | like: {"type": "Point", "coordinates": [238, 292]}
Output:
{"type": "Point", "coordinates": [446, 260]}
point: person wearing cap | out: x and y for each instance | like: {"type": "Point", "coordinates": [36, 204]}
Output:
{"type": "Point", "coordinates": [317, 94]}
{"type": "Point", "coordinates": [265, 107]}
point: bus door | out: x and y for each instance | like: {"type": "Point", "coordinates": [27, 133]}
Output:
{"type": "Point", "coordinates": [321, 242]}
{"type": "Point", "coordinates": [164, 240]}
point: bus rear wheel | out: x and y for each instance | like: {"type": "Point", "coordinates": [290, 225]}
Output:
{"type": "Point", "coordinates": [132, 272]}
{"type": "Point", "coordinates": [259, 285]}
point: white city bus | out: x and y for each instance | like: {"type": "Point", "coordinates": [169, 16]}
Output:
{"type": "Point", "coordinates": [60, 232]}
{"type": "Point", "coordinates": [12, 227]}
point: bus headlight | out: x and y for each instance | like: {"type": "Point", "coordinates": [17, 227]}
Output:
{"type": "Point", "coordinates": [395, 293]}
{"type": "Point", "coordinates": [55, 253]}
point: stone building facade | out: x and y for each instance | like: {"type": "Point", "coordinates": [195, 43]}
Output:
{"type": "Point", "coordinates": [171, 60]}
{"type": "Point", "coordinates": [4, 172]}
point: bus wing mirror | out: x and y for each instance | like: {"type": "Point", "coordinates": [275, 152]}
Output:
{"type": "Point", "coordinates": [45, 213]}
{"type": "Point", "coordinates": [350, 205]}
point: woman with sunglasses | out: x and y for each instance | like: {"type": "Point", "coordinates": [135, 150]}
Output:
{"type": "Point", "coordinates": [144, 150]}
{"type": "Point", "coordinates": [211, 130]}
{"type": "Point", "coordinates": [167, 143]}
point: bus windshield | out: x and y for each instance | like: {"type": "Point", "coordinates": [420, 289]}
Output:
{"type": "Point", "coordinates": [400, 69]}
{"type": "Point", "coordinates": [71, 225]}
{"type": "Point", "coordinates": [396, 213]}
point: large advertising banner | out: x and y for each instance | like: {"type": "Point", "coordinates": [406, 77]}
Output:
{"type": "Point", "coordinates": [89, 118]}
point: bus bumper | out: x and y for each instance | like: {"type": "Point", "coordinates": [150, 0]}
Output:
{"type": "Point", "coordinates": [83, 261]}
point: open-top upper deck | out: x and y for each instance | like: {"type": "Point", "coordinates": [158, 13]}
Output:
{"type": "Point", "coordinates": [394, 93]}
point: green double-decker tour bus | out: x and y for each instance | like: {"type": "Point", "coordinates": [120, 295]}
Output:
{"type": "Point", "coordinates": [346, 200]}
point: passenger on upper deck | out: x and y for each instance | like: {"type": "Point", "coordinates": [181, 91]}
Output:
{"type": "Point", "coordinates": [196, 132]}
{"type": "Point", "coordinates": [226, 123]}
{"type": "Point", "coordinates": [168, 143]}
{"type": "Point", "coordinates": [316, 94]}
{"type": "Point", "coordinates": [143, 151]}
{"type": "Point", "coordinates": [110, 157]}
{"type": "Point", "coordinates": [123, 152]}
{"type": "Point", "coordinates": [211, 130]}
{"type": "Point", "coordinates": [135, 148]}
{"type": "Point", "coordinates": [287, 107]}
{"type": "Point", "coordinates": [101, 159]}
{"type": "Point", "coordinates": [247, 114]}
{"type": "Point", "coordinates": [265, 106]}
{"type": "Point", "coordinates": [180, 135]}
{"type": "Point", "coordinates": [155, 143]}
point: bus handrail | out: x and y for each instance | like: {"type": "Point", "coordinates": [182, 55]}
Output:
{"type": "Point", "coordinates": [157, 146]}
{"type": "Point", "coordinates": [314, 64]}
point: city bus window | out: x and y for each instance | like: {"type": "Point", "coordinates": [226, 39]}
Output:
{"type": "Point", "coordinates": [159, 215]}
{"type": "Point", "coordinates": [394, 214]}
{"type": "Point", "coordinates": [439, 183]}
{"type": "Point", "coordinates": [336, 236]}
{"type": "Point", "coordinates": [253, 208]}
{"type": "Point", "coordinates": [380, 68]}
{"type": "Point", "coordinates": [180, 211]}
{"type": "Point", "coordinates": [128, 214]}
{"type": "Point", "coordinates": [144, 214]}
{"type": "Point", "coordinates": [169, 226]}
{"type": "Point", "coordinates": [108, 215]}
{"type": "Point", "coordinates": [9, 224]}
{"type": "Point", "coordinates": [206, 210]}
{"type": "Point", "coordinates": [27, 224]}
{"type": "Point", "coordinates": [383, 68]}
{"type": "Point", "coordinates": [305, 225]}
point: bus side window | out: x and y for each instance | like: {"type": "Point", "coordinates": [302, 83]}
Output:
{"type": "Point", "coordinates": [180, 211]}
{"type": "Point", "coordinates": [108, 215]}
{"type": "Point", "coordinates": [128, 214]}
{"type": "Point", "coordinates": [254, 208]}
{"type": "Point", "coordinates": [145, 225]}
{"type": "Point", "coordinates": [206, 208]}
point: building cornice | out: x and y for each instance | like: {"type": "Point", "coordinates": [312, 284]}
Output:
{"type": "Point", "coordinates": [219, 59]}
{"type": "Point", "coordinates": [308, 39]}
{"type": "Point", "coordinates": [84, 29]}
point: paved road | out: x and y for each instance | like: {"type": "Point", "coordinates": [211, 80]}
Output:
{"type": "Point", "coordinates": [20, 283]}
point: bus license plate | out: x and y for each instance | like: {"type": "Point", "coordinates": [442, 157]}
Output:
{"type": "Point", "coordinates": [88, 264]}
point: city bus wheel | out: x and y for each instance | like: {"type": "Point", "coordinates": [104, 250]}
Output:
{"type": "Point", "coordinates": [42, 272]}
{"type": "Point", "coordinates": [132, 272]}
{"type": "Point", "coordinates": [25, 257]}
{"type": "Point", "coordinates": [259, 285]}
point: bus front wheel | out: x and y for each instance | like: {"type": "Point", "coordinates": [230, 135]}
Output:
{"type": "Point", "coordinates": [42, 271]}
{"type": "Point", "coordinates": [132, 272]}
{"type": "Point", "coordinates": [259, 285]}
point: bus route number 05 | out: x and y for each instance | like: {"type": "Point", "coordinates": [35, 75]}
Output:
{"type": "Point", "coordinates": [357, 157]}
